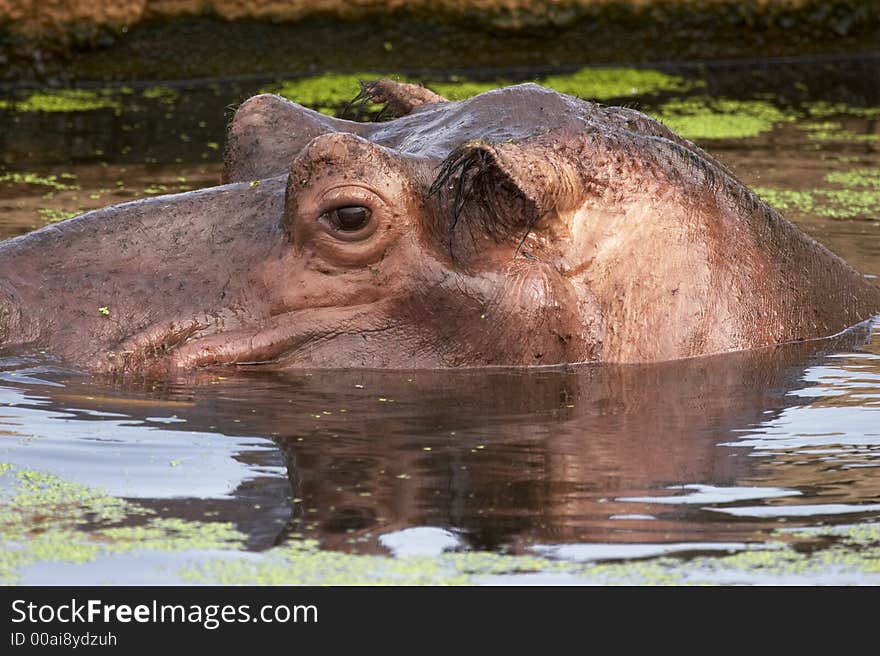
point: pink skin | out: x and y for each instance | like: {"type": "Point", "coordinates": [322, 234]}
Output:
{"type": "Point", "coordinates": [520, 227]}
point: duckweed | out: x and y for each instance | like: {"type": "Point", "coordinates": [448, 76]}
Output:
{"type": "Point", "coordinates": [45, 518]}
{"type": "Point", "coordinates": [786, 199]}
{"type": "Point", "coordinates": [326, 93]}
{"type": "Point", "coordinates": [587, 83]}
{"type": "Point", "coordinates": [855, 552]}
{"type": "Point", "coordinates": [173, 534]}
{"type": "Point", "coordinates": [459, 88]}
{"type": "Point", "coordinates": [830, 203]}
{"type": "Point", "coordinates": [859, 197]}
{"type": "Point", "coordinates": [835, 132]}
{"type": "Point", "coordinates": [52, 215]}
{"type": "Point", "coordinates": [855, 178]}
{"type": "Point", "coordinates": [50, 181]}
{"type": "Point", "coordinates": [164, 95]}
{"type": "Point", "coordinates": [606, 83]}
{"type": "Point", "coordinates": [824, 109]}
{"type": "Point", "coordinates": [331, 92]}
{"type": "Point", "coordinates": [707, 118]}
{"type": "Point", "coordinates": [64, 100]}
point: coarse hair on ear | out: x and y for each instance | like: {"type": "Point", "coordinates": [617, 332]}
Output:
{"type": "Point", "coordinates": [493, 188]}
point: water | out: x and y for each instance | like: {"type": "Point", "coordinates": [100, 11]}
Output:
{"type": "Point", "coordinates": [746, 468]}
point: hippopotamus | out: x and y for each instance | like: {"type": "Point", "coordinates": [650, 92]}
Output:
{"type": "Point", "coordinates": [519, 227]}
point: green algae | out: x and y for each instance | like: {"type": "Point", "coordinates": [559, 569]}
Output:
{"type": "Point", "coordinates": [164, 95]}
{"type": "Point", "coordinates": [848, 203]}
{"type": "Point", "coordinates": [587, 83]}
{"type": "Point", "coordinates": [327, 93]}
{"type": "Point", "coordinates": [616, 82]}
{"type": "Point", "coordinates": [86, 100]}
{"type": "Point", "coordinates": [459, 88]}
{"type": "Point", "coordinates": [825, 109]}
{"type": "Point", "coordinates": [53, 215]}
{"type": "Point", "coordinates": [866, 177]}
{"type": "Point", "coordinates": [722, 118]}
{"type": "Point", "coordinates": [859, 197]}
{"type": "Point", "coordinates": [829, 203]}
{"type": "Point", "coordinates": [50, 181]}
{"type": "Point", "coordinates": [64, 100]}
{"type": "Point", "coordinates": [331, 92]}
{"type": "Point", "coordinates": [43, 496]}
{"type": "Point", "coordinates": [45, 518]}
{"type": "Point", "coordinates": [786, 200]}
{"type": "Point", "coordinates": [173, 534]}
{"type": "Point", "coordinates": [855, 552]}
{"type": "Point", "coordinates": [304, 563]}
{"type": "Point", "coordinates": [833, 131]}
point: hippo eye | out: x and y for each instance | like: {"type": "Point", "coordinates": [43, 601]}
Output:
{"type": "Point", "coordinates": [349, 219]}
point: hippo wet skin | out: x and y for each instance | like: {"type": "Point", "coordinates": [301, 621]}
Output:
{"type": "Point", "coordinates": [519, 227]}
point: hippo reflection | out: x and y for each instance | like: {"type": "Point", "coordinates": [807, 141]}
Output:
{"type": "Point", "coordinates": [520, 227]}
{"type": "Point", "coordinates": [501, 457]}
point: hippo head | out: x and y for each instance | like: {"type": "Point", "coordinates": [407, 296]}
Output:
{"type": "Point", "coordinates": [385, 260]}
{"type": "Point", "coordinates": [521, 227]}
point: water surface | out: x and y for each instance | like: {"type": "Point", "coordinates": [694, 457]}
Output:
{"type": "Point", "coordinates": [746, 468]}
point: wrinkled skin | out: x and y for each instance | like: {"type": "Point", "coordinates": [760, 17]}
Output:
{"type": "Point", "coordinates": [520, 227]}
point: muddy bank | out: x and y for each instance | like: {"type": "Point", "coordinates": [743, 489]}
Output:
{"type": "Point", "coordinates": [75, 40]}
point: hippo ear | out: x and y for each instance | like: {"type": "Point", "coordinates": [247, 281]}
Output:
{"type": "Point", "coordinates": [398, 98]}
{"type": "Point", "coordinates": [507, 188]}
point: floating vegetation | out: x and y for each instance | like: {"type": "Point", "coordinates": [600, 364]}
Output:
{"type": "Point", "coordinates": [51, 181]}
{"type": "Point", "coordinates": [302, 562]}
{"type": "Point", "coordinates": [64, 100]}
{"type": "Point", "coordinates": [331, 92]}
{"type": "Point", "coordinates": [326, 93]}
{"type": "Point", "coordinates": [52, 215]}
{"type": "Point", "coordinates": [46, 518]}
{"type": "Point", "coordinates": [824, 109]}
{"type": "Point", "coordinates": [859, 197]}
{"type": "Point", "coordinates": [164, 95]}
{"type": "Point", "coordinates": [829, 203]}
{"type": "Point", "coordinates": [709, 118]}
{"type": "Point", "coordinates": [787, 199]}
{"type": "Point", "coordinates": [607, 83]}
{"type": "Point", "coordinates": [459, 88]}
{"type": "Point", "coordinates": [853, 554]}
{"type": "Point", "coordinates": [856, 178]}
{"type": "Point", "coordinates": [835, 131]}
